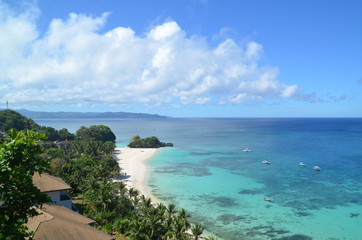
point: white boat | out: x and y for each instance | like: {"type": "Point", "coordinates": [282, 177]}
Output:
{"type": "Point", "coordinates": [301, 164]}
{"type": "Point", "coordinates": [247, 150]}
{"type": "Point", "coordinates": [317, 168]}
{"type": "Point", "coordinates": [266, 162]}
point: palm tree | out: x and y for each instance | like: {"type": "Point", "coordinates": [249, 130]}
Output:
{"type": "Point", "coordinates": [120, 188]}
{"type": "Point", "coordinates": [146, 203]}
{"type": "Point", "coordinates": [133, 192]}
{"type": "Point", "coordinates": [154, 222]}
{"type": "Point", "coordinates": [182, 216]}
{"type": "Point", "coordinates": [197, 231]}
{"type": "Point", "coordinates": [100, 196]}
{"type": "Point", "coordinates": [137, 230]}
{"type": "Point", "coordinates": [133, 195]}
{"type": "Point", "coordinates": [121, 224]}
{"type": "Point", "coordinates": [171, 210]}
{"type": "Point", "coordinates": [161, 208]}
{"type": "Point", "coordinates": [178, 231]}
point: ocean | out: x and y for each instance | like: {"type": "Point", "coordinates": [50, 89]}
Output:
{"type": "Point", "coordinates": [208, 173]}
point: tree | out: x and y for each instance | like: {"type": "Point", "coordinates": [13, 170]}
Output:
{"type": "Point", "coordinates": [19, 161]}
{"type": "Point", "coordinates": [10, 119]}
{"type": "Point", "coordinates": [135, 138]}
{"type": "Point", "coordinates": [178, 230]}
{"type": "Point", "coordinates": [149, 142]}
{"type": "Point", "coordinates": [64, 134]}
{"type": "Point", "coordinates": [55, 135]}
{"type": "Point", "coordinates": [183, 216]}
{"type": "Point", "coordinates": [197, 231]}
{"type": "Point", "coordinates": [171, 210]}
{"type": "Point", "coordinates": [137, 230]}
{"type": "Point", "coordinates": [96, 132]}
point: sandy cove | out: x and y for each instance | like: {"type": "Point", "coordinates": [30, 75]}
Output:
{"type": "Point", "coordinates": [132, 162]}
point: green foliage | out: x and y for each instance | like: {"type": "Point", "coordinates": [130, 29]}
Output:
{"type": "Point", "coordinates": [2, 137]}
{"type": "Point", "coordinates": [64, 134]}
{"type": "Point", "coordinates": [154, 222]}
{"type": "Point", "coordinates": [118, 209]}
{"type": "Point", "coordinates": [18, 162]}
{"type": "Point", "coordinates": [10, 119]}
{"type": "Point", "coordinates": [149, 142]}
{"type": "Point", "coordinates": [197, 230]}
{"type": "Point", "coordinates": [136, 138]}
{"type": "Point", "coordinates": [89, 167]}
{"type": "Point", "coordinates": [56, 157]}
{"type": "Point", "coordinates": [55, 135]}
{"type": "Point", "coordinates": [91, 148]}
{"type": "Point", "coordinates": [96, 132]}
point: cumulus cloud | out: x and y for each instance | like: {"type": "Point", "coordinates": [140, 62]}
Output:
{"type": "Point", "coordinates": [74, 63]}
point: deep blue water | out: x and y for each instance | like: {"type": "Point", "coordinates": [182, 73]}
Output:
{"type": "Point", "coordinates": [223, 187]}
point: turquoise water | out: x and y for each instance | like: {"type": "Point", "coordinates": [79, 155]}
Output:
{"type": "Point", "coordinates": [223, 187]}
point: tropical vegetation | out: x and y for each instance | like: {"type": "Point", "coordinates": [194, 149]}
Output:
{"type": "Point", "coordinates": [10, 119]}
{"type": "Point", "coordinates": [149, 142]}
{"type": "Point", "coordinates": [89, 167]}
{"type": "Point", "coordinates": [96, 132]}
{"type": "Point", "coordinates": [19, 160]}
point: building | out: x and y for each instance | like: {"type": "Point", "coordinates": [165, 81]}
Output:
{"type": "Point", "coordinates": [59, 223]}
{"type": "Point", "coordinates": [55, 188]}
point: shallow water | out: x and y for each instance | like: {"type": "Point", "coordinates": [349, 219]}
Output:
{"type": "Point", "coordinates": [223, 187]}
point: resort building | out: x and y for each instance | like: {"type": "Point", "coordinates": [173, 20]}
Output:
{"type": "Point", "coordinates": [59, 223]}
{"type": "Point", "coordinates": [55, 188]}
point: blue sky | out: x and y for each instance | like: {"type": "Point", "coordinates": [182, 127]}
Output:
{"type": "Point", "coordinates": [189, 58]}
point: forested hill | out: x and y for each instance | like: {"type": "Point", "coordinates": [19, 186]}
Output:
{"type": "Point", "coordinates": [10, 119]}
{"type": "Point", "coordinates": [48, 115]}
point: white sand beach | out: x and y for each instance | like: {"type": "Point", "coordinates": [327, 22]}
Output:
{"type": "Point", "coordinates": [132, 163]}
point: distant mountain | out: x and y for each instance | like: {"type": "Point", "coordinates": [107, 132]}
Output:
{"type": "Point", "coordinates": [40, 115]}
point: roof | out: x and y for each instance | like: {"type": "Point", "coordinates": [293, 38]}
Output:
{"type": "Point", "coordinates": [48, 183]}
{"type": "Point", "coordinates": [60, 223]}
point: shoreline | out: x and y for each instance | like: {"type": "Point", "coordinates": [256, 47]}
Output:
{"type": "Point", "coordinates": [132, 162]}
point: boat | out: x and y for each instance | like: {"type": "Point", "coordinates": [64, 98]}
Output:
{"type": "Point", "coordinates": [266, 162]}
{"type": "Point", "coordinates": [301, 164]}
{"type": "Point", "coordinates": [267, 199]}
{"type": "Point", "coordinates": [317, 168]}
{"type": "Point", "coordinates": [247, 150]}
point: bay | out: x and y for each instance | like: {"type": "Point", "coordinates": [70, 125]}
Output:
{"type": "Point", "coordinates": [208, 173]}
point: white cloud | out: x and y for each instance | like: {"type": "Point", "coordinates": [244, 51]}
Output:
{"type": "Point", "coordinates": [289, 91]}
{"type": "Point", "coordinates": [73, 63]}
{"type": "Point", "coordinates": [164, 31]}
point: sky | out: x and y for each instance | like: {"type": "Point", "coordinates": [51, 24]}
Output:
{"type": "Point", "coordinates": [183, 58]}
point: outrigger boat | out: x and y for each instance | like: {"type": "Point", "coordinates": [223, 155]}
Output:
{"type": "Point", "coordinates": [317, 168]}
